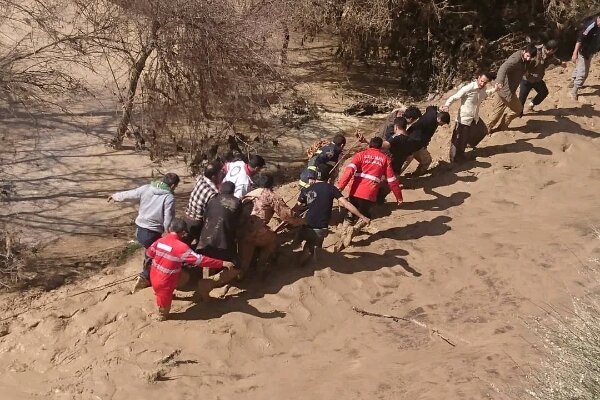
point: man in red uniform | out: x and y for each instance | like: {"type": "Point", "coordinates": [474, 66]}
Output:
{"type": "Point", "coordinates": [367, 167]}
{"type": "Point", "coordinates": [168, 255]}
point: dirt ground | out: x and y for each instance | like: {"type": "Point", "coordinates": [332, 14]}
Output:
{"type": "Point", "coordinates": [473, 253]}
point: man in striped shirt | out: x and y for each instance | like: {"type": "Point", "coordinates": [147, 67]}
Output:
{"type": "Point", "coordinates": [168, 255]}
{"type": "Point", "coordinates": [205, 189]}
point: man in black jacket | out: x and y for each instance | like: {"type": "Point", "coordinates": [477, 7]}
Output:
{"type": "Point", "coordinates": [221, 219]}
{"type": "Point", "coordinates": [422, 131]}
{"type": "Point", "coordinates": [588, 43]}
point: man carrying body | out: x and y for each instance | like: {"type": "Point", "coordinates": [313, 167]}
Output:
{"type": "Point", "coordinates": [241, 173]}
{"type": "Point", "coordinates": [168, 254]}
{"type": "Point", "coordinates": [469, 128]}
{"type": "Point", "coordinates": [157, 210]}
{"type": "Point", "coordinates": [221, 221]}
{"type": "Point", "coordinates": [255, 233]}
{"type": "Point", "coordinates": [365, 170]}
{"type": "Point", "coordinates": [509, 77]}
{"type": "Point", "coordinates": [588, 43]}
{"type": "Point", "coordinates": [422, 131]}
{"type": "Point", "coordinates": [319, 198]}
{"type": "Point", "coordinates": [400, 145]}
{"type": "Point", "coordinates": [205, 189]}
{"type": "Point", "coordinates": [328, 155]}
{"type": "Point", "coordinates": [534, 77]}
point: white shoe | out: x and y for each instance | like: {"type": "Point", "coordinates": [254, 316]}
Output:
{"type": "Point", "coordinates": [531, 107]}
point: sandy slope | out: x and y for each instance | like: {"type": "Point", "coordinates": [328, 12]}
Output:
{"type": "Point", "coordinates": [471, 254]}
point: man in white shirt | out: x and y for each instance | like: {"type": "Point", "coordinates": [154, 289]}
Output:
{"type": "Point", "coordinates": [240, 173]}
{"type": "Point", "coordinates": [469, 128]}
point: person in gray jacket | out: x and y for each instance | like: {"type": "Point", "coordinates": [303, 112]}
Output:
{"type": "Point", "coordinates": [157, 210]}
{"type": "Point", "coordinates": [508, 79]}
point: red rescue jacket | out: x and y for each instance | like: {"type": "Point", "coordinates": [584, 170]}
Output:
{"type": "Point", "coordinates": [168, 254]}
{"type": "Point", "coordinates": [368, 167]}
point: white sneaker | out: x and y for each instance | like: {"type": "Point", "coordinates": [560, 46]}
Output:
{"type": "Point", "coordinates": [531, 107]}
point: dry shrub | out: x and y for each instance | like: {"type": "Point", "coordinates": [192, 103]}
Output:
{"type": "Point", "coordinates": [572, 370]}
{"type": "Point", "coordinates": [11, 258]}
{"type": "Point", "coordinates": [572, 341]}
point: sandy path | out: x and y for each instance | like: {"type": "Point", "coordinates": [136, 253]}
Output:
{"type": "Point", "coordinates": [471, 254]}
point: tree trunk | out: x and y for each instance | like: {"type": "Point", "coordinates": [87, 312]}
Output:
{"type": "Point", "coordinates": [134, 77]}
{"type": "Point", "coordinates": [286, 43]}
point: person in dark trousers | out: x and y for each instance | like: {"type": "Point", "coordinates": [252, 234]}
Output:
{"type": "Point", "coordinates": [469, 129]}
{"type": "Point", "coordinates": [400, 145]}
{"type": "Point", "coordinates": [534, 77]}
{"type": "Point", "coordinates": [221, 220]}
{"type": "Point", "coordinates": [588, 43]}
{"type": "Point", "coordinates": [204, 190]}
{"type": "Point", "coordinates": [367, 171]}
{"type": "Point", "coordinates": [157, 210]}
{"type": "Point", "coordinates": [422, 131]}
{"type": "Point", "coordinates": [508, 80]}
{"type": "Point", "coordinates": [319, 197]}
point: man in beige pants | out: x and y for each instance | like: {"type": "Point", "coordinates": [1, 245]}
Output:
{"type": "Point", "coordinates": [508, 79]}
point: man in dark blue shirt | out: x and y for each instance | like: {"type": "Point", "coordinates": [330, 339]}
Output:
{"type": "Point", "coordinates": [319, 197]}
{"type": "Point", "coordinates": [588, 43]}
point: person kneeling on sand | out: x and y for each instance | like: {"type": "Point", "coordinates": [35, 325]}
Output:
{"type": "Point", "coordinates": [319, 198]}
{"type": "Point", "coordinates": [168, 255]}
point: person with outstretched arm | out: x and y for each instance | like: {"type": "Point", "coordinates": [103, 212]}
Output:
{"type": "Point", "coordinates": [319, 197]}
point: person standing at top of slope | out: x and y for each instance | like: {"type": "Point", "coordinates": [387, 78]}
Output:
{"type": "Point", "coordinates": [508, 79]}
{"type": "Point", "coordinates": [157, 210]}
{"type": "Point", "coordinates": [588, 43]}
{"type": "Point", "coordinates": [328, 155]}
{"type": "Point", "coordinates": [534, 77]}
{"type": "Point", "coordinates": [469, 128]}
{"type": "Point", "coordinates": [365, 170]}
{"type": "Point", "coordinates": [240, 173]}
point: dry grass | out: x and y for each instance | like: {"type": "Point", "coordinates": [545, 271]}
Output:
{"type": "Point", "coordinates": [572, 340]}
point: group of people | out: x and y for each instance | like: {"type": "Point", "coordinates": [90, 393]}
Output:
{"type": "Point", "coordinates": [226, 222]}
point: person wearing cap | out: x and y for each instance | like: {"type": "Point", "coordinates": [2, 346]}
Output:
{"type": "Point", "coordinates": [534, 75]}
{"type": "Point", "coordinates": [327, 155]}
{"type": "Point", "coordinates": [318, 198]}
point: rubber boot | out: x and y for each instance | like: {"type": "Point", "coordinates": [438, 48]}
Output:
{"type": "Point", "coordinates": [163, 313]}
